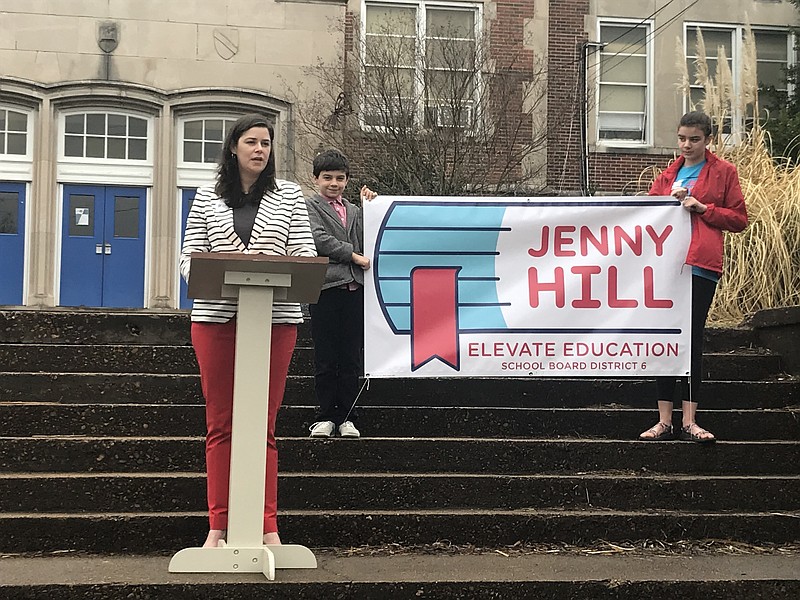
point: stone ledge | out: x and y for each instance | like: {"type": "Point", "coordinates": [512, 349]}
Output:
{"type": "Point", "coordinates": [779, 330]}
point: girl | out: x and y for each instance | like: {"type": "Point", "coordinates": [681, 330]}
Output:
{"type": "Point", "coordinates": [708, 187]}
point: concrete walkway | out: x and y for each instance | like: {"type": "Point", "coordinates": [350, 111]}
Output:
{"type": "Point", "coordinates": [93, 570]}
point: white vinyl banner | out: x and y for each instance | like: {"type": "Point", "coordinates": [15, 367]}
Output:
{"type": "Point", "coordinates": [534, 287]}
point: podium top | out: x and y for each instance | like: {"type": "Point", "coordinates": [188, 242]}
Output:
{"type": "Point", "coordinates": [207, 274]}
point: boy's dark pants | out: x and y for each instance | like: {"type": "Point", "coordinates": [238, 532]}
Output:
{"type": "Point", "coordinates": [337, 328]}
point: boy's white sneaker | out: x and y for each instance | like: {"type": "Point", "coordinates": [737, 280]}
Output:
{"type": "Point", "coordinates": [347, 429]}
{"type": "Point", "coordinates": [323, 429]}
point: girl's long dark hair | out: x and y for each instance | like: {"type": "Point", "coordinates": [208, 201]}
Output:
{"type": "Point", "coordinates": [229, 183]}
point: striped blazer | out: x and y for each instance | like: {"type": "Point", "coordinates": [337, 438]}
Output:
{"type": "Point", "coordinates": [281, 228]}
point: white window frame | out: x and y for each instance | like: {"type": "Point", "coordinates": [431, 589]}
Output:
{"type": "Point", "coordinates": [195, 174]}
{"type": "Point", "coordinates": [421, 7]}
{"type": "Point", "coordinates": [19, 167]}
{"type": "Point", "coordinates": [106, 171]}
{"type": "Point", "coordinates": [181, 135]}
{"type": "Point", "coordinates": [737, 45]}
{"type": "Point", "coordinates": [190, 174]}
{"type": "Point", "coordinates": [649, 96]}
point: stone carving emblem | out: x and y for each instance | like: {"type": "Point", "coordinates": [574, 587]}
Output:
{"type": "Point", "coordinates": [226, 42]}
{"type": "Point", "coordinates": [108, 36]}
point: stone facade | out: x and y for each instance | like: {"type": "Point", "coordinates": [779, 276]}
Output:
{"type": "Point", "coordinates": [162, 61]}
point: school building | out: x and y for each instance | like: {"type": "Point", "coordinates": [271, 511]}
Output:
{"type": "Point", "coordinates": [112, 112]}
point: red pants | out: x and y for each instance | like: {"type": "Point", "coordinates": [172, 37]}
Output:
{"type": "Point", "coordinates": [215, 345]}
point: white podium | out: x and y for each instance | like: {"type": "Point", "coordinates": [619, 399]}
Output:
{"type": "Point", "coordinates": [257, 280]}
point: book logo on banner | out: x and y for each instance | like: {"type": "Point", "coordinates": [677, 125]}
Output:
{"type": "Point", "coordinates": [542, 287]}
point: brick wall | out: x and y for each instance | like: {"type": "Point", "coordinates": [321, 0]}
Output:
{"type": "Point", "coordinates": [624, 173]}
{"type": "Point", "coordinates": [566, 33]}
{"type": "Point", "coordinates": [506, 44]}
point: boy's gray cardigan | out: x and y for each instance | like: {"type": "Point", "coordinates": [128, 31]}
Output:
{"type": "Point", "coordinates": [337, 243]}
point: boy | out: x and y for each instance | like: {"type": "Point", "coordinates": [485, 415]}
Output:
{"type": "Point", "coordinates": [337, 319]}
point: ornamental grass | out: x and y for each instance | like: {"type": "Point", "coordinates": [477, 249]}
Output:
{"type": "Point", "coordinates": [762, 263]}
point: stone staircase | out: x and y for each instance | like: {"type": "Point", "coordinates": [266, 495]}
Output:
{"type": "Point", "coordinates": [101, 452]}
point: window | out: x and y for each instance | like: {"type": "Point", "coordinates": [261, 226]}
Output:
{"type": "Point", "coordinates": [419, 63]}
{"type": "Point", "coordinates": [624, 79]}
{"type": "Point", "coordinates": [13, 132]}
{"type": "Point", "coordinates": [202, 139]}
{"type": "Point", "coordinates": [772, 60]}
{"type": "Point", "coordinates": [105, 135]}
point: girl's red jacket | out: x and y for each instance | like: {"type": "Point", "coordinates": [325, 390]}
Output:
{"type": "Point", "coordinates": [718, 188]}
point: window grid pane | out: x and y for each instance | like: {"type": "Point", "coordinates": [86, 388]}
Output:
{"type": "Point", "coordinates": [192, 151]}
{"type": "Point", "coordinates": [771, 46]}
{"type": "Point", "coordinates": [116, 148]}
{"type": "Point", "coordinates": [398, 20]}
{"type": "Point", "coordinates": [126, 217]}
{"type": "Point", "coordinates": [17, 121]}
{"type": "Point", "coordinates": [73, 145]}
{"type": "Point", "coordinates": [74, 124]}
{"type": "Point", "coordinates": [96, 124]}
{"type": "Point", "coordinates": [95, 147]}
{"type": "Point", "coordinates": [713, 38]}
{"type": "Point", "coordinates": [211, 151]}
{"type": "Point", "coordinates": [137, 149]}
{"type": "Point", "coordinates": [137, 127]}
{"type": "Point", "coordinates": [405, 52]}
{"type": "Point", "coordinates": [13, 132]}
{"type": "Point", "coordinates": [624, 39]}
{"type": "Point", "coordinates": [202, 139]}
{"type": "Point", "coordinates": [454, 24]}
{"type": "Point", "coordinates": [106, 136]}
{"type": "Point", "coordinates": [16, 143]}
{"type": "Point", "coordinates": [9, 213]}
{"type": "Point", "coordinates": [773, 59]}
{"type": "Point", "coordinates": [193, 130]}
{"type": "Point", "coordinates": [623, 83]}
{"type": "Point", "coordinates": [81, 215]}
{"type": "Point", "coordinates": [117, 125]}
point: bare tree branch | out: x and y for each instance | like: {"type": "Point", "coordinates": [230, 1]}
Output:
{"type": "Point", "coordinates": [429, 115]}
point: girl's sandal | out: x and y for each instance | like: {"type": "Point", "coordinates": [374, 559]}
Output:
{"type": "Point", "coordinates": [695, 433]}
{"type": "Point", "coordinates": [658, 433]}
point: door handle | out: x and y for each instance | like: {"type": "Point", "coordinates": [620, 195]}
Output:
{"type": "Point", "coordinates": [108, 248]}
{"type": "Point", "coordinates": [98, 249]}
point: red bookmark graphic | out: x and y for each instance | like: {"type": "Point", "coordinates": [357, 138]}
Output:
{"type": "Point", "coordinates": [434, 316]}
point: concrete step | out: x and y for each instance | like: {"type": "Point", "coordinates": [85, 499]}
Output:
{"type": "Point", "coordinates": [133, 420]}
{"type": "Point", "coordinates": [138, 532]}
{"type": "Point", "coordinates": [162, 359]}
{"type": "Point", "coordinates": [71, 326]}
{"type": "Point", "coordinates": [116, 388]}
{"type": "Point", "coordinates": [742, 365]}
{"type": "Point", "coordinates": [75, 326]}
{"type": "Point", "coordinates": [185, 492]}
{"type": "Point", "coordinates": [409, 455]}
{"type": "Point", "coordinates": [419, 576]}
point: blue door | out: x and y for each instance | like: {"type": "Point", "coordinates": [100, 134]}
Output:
{"type": "Point", "coordinates": [12, 242]}
{"type": "Point", "coordinates": [103, 246]}
{"type": "Point", "coordinates": [187, 195]}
